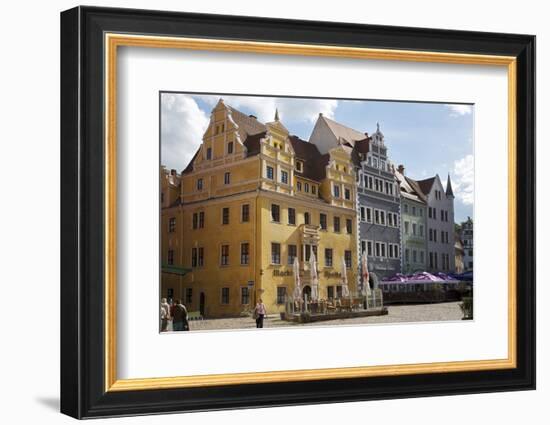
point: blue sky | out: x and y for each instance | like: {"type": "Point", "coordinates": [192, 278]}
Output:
{"type": "Point", "coordinates": [427, 138]}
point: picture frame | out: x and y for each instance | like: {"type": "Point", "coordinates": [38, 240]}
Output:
{"type": "Point", "coordinates": [90, 39]}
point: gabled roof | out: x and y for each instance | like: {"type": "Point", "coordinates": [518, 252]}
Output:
{"type": "Point", "coordinates": [252, 143]}
{"type": "Point", "coordinates": [410, 188]}
{"type": "Point", "coordinates": [314, 162]}
{"type": "Point", "coordinates": [248, 125]}
{"type": "Point", "coordinates": [189, 167]}
{"type": "Point", "coordinates": [342, 132]}
{"type": "Point", "coordinates": [426, 185]}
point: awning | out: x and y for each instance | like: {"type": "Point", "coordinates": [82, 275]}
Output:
{"type": "Point", "coordinates": [180, 271]}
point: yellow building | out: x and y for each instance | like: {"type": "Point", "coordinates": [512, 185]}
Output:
{"type": "Point", "coordinates": [251, 200]}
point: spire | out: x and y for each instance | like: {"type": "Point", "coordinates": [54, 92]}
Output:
{"type": "Point", "coordinates": [449, 191]}
{"type": "Point", "coordinates": [276, 114]}
{"type": "Point", "coordinates": [378, 127]}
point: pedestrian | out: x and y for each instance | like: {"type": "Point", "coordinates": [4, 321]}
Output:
{"type": "Point", "coordinates": [260, 313]}
{"type": "Point", "coordinates": [164, 314]}
{"type": "Point", "coordinates": [179, 318]}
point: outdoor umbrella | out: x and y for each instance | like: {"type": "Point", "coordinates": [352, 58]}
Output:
{"type": "Point", "coordinates": [297, 283]}
{"type": "Point", "coordinates": [364, 266]}
{"type": "Point", "coordinates": [345, 289]}
{"type": "Point", "coordinates": [314, 279]}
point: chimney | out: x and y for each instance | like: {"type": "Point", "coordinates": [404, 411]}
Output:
{"type": "Point", "coordinates": [401, 169]}
{"type": "Point", "coordinates": [173, 172]}
{"type": "Point", "coordinates": [366, 134]}
{"type": "Point", "coordinates": [253, 116]}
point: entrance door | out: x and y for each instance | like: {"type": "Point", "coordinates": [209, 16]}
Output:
{"type": "Point", "coordinates": [202, 302]}
{"type": "Point", "coordinates": [307, 291]}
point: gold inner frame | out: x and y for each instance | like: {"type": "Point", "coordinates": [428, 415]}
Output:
{"type": "Point", "coordinates": [113, 41]}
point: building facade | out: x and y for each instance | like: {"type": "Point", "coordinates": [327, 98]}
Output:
{"type": "Point", "coordinates": [440, 224]}
{"type": "Point", "coordinates": [466, 233]}
{"type": "Point", "coordinates": [252, 199]}
{"type": "Point", "coordinates": [378, 197]}
{"type": "Point", "coordinates": [414, 240]}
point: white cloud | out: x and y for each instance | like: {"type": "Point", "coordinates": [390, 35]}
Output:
{"type": "Point", "coordinates": [459, 110]}
{"type": "Point", "coordinates": [183, 124]}
{"type": "Point", "coordinates": [290, 109]}
{"type": "Point", "coordinates": [463, 182]}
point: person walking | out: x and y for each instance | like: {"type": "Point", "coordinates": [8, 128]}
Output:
{"type": "Point", "coordinates": [259, 313]}
{"type": "Point", "coordinates": [164, 314]}
{"type": "Point", "coordinates": [179, 318]}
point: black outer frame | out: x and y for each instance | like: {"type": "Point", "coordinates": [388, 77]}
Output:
{"type": "Point", "coordinates": [82, 207]}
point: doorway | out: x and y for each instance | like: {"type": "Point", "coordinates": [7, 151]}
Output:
{"type": "Point", "coordinates": [202, 303]}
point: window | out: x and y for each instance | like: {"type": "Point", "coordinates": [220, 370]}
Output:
{"type": "Point", "coordinates": [369, 248]}
{"type": "Point", "coordinates": [291, 216]}
{"type": "Point", "coordinates": [328, 257]}
{"type": "Point", "coordinates": [292, 253]}
{"type": "Point", "coordinates": [435, 236]}
{"type": "Point", "coordinates": [195, 220]}
{"type": "Point", "coordinates": [347, 194]}
{"type": "Point", "coordinates": [363, 215]}
{"type": "Point", "coordinates": [383, 218]}
{"type": "Point", "coordinates": [299, 166]}
{"type": "Point", "coordinates": [369, 215]}
{"type": "Point", "coordinates": [339, 291]}
{"type": "Point", "coordinates": [363, 246]}
{"type": "Point", "coordinates": [442, 236]}
{"type": "Point", "coordinates": [348, 226]}
{"type": "Point", "coordinates": [406, 224]}
{"type": "Point", "coordinates": [170, 257]}
{"type": "Point", "coordinates": [414, 229]}
{"type": "Point", "coordinates": [337, 224]}
{"type": "Point", "coordinates": [245, 213]}
{"type": "Point", "coordinates": [225, 215]}
{"type": "Point", "coordinates": [201, 220]}
{"type": "Point", "coordinates": [422, 257]}
{"type": "Point", "coordinates": [306, 218]}
{"type": "Point", "coordinates": [245, 253]}
{"type": "Point", "coordinates": [323, 221]}
{"type": "Point", "coordinates": [314, 189]}
{"type": "Point", "coordinates": [224, 260]}
{"type": "Point", "coordinates": [336, 191]}
{"type": "Point", "coordinates": [172, 225]}
{"type": "Point", "coordinates": [230, 148]}
{"type": "Point", "coordinates": [421, 229]}
{"type": "Point", "coordinates": [383, 249]}
{"type": "Point", "coordinates": [275, 213]}
{"type": "Point", "coordinates": [306, 187]}
{"type": "Point", "coordinates": [434, 213]}
{"type": "Point", "coordinates": [347, 259]}
{"type": "Point", "coordinates": [421, 212]}
{"type": "Point", "coordinates": [413, 210]}
{"type": "Point", "coordinates": [442, 215]}
{"type": "Point", "coordinates": [375, 162]}
{"type": "Point", "coordinates": [194, 257]}
{"type": "Point", "coordinates": [299, 186]}
{"type": "Point", "coordinates": [430, 212]}
{"type": "Point", "coordinates": [209, 153]}
{"type": "Point", "coordinates": [225, 296]}
{"type": "Point", "coordinates": [188, 296]}
{"type": "Point", "coordinates": [281, 294]}
{"type": "Point", "coordinates": [199, 184]}
{"type": "Point", "coordinates": [431, 235]}
{"type": "Point", "coordinates": [377, 216]}
{"type": "Point", "coordinates": [431, 259]}
{"type": "Point", "coordinates": [275, 253]}
{"type": "Point", "coordinates": [245, 296]}
{"type": "Point", "coordinates": [330, 292]}
{"type": "Point", "coordinates": [227, 178]}
{"type": "Point", "coordinates": [269, 172]}
{"type": "Point", "coordinates": [407, 255]}
{"type": "Point", "coordinates": [284, 177]}
{"type": "Point", "coordinates": [415, 255]}
{"type": "Point", "coordinates": [200, 262]}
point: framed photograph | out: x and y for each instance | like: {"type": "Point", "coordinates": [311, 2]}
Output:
{"type": "Point", "coordinates": [261, 212]}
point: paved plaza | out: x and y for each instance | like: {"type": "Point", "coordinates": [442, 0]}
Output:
{"type": "Point", "coordinates": [396, 314]}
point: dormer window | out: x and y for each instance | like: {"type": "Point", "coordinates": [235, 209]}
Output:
{"type": "Point", "coordinates": [299, 166]}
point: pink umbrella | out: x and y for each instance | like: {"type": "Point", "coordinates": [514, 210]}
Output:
{"type": "Point", "coordinates": [365, 269]}
{"type": "Point", "coordinates": [297, 282]}
{"type": "Point", "coordinates": [345, 289]}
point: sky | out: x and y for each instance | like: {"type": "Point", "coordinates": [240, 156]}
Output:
{"type": "Point", "coordinates": [427, 138]}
